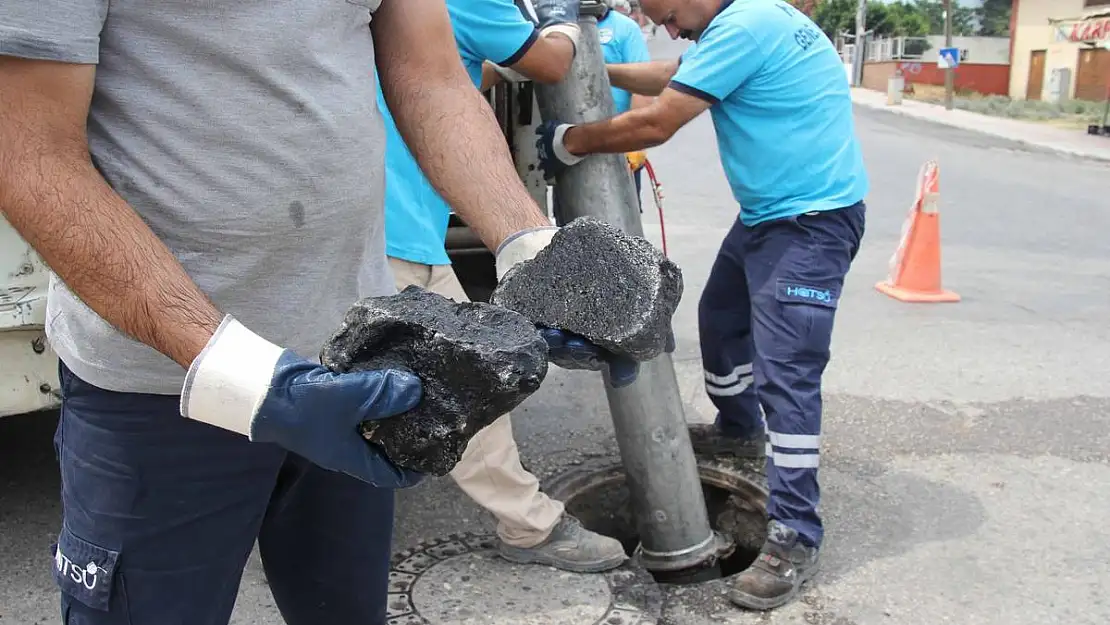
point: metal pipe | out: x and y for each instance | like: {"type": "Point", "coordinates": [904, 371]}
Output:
{"type": "Point", "coordinates": [648, 415]}
{"type": "Point", "coordinates": [949, 73]}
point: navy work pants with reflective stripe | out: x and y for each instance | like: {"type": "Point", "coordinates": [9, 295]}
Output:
{"type": "Point", "coordinates": [765, 322]}
{"type": "Point", "coordinates": [160, 514]}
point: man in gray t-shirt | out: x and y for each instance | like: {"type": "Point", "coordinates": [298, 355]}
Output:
{"type": "Point", "coordinates": [205, 180]}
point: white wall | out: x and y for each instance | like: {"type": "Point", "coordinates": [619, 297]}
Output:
{"type": "Point", "coordinates": [980, 50]}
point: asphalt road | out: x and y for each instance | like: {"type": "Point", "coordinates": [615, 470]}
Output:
{"type": "Point", "coordinates": [965, 466]}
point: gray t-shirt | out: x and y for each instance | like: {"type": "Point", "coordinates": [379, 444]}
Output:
{"type": "Point", "coordinates": [246, 134]}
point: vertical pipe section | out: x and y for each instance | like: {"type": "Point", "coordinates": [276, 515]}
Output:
{"type": "Point", "coordinates": [648, 416]}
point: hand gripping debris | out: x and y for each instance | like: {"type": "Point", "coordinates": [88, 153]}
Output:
{"type": "Point", "coordinates": [475, 361]}
{"type": "Point", "coordinates": [615, 289]}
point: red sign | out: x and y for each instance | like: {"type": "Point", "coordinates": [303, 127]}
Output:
{"type": "Point", "coordinates": [1090, 30]}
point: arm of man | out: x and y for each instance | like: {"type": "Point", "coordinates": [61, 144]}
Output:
{"type": "Point", "coordinates": [446, 123]}
{"type": "Point", "coordinates": [549, 60]}
{"type": "Point", "coordinates": [648, 79]}
{"type": "Point", "coordinates": [725, 57]}
{"type": "Point", "coordinates": [495, 27]}
{"type": "Point", "coordinates": [637, 129]}
{"type": "Point", "coordinates": [638, 101]}
{"type": "Point", "coordinates": [88, 235]}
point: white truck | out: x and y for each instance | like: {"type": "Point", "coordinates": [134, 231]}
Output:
{"type": "Point", "coordinates": [28, 367]}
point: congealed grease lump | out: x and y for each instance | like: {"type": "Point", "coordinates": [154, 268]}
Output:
{"type": "Point", "coordinates": [615, 289]}
{"type": "Point", "coordinates": [476, 362]}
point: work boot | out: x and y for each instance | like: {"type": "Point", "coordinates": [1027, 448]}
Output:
{"type": "Point", "coordinates": [570, 547]}
{"type": "Point", "coordinates": [707, 438]}
{"type": "Point", "coordinates": [783, 565]}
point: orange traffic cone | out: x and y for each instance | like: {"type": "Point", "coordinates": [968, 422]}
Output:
{"type": "Point", "coordinates": [915, 266]}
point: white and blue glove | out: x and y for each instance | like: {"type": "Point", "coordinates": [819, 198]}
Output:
{"type": "Point", "coordinates": [565, 349]}
{"type": "Point", "coordinates": [245, 384]}
{"type": "Point", "coordinates": [554, 16]}
{"type": "Point", "coordinates": [553, 155]}
{"type": "Point", "coordinates": [549, 16]}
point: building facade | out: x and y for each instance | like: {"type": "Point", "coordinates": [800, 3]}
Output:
{"type": "Point", "coordinates": [1060, 50]}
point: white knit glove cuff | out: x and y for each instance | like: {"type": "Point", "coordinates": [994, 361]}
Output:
{"type": "Point", "coordinates": [561, 152]}
{"type": "Point", "coordinates": [522, 246]}
{"type": "Point", "coordinates": [570, 30]}
{"type": "Point", "coordinates": [230, 378]}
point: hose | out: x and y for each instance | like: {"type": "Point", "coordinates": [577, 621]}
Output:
{"type": "Point", "coordinates": [657, 194]}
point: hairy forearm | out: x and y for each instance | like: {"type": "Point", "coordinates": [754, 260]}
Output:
{"type": "Point", "coordinates": [637, 129]}
{"type": "Point", "coordinates": [100, 248]}
{"type": "Point", "coordinates": [450, 128]}
{"type": "Point", "coordinates": [647, 79]}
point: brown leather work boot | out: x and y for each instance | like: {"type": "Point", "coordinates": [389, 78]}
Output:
{"type": "Point", "coordinates": [773, 580]}
{"type": "Point", "coordinates": [707, 439]}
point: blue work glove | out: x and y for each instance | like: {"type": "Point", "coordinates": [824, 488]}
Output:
{"type": "Point", "coordinates": [554, 16]}
{"type": "Point", "coordinates": [557, 13]}
{"type": "Point", "coordinates": [245, 384]}
{"type": "Point", "coordinates": [571, 351]}
{"type": "Point", "coordinates": [565, 349]}
{"type": "Point", "coordinates": [554, 157]}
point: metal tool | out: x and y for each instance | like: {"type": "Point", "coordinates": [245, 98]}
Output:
{"type": "Point", "coordinates": [648, 416]}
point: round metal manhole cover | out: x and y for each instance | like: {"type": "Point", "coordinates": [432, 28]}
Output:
{"type": "Point", "coordinates": [460, 580]}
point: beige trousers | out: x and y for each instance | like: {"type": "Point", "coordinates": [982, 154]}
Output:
{"type": "Point", "coordinates": [490, 472]}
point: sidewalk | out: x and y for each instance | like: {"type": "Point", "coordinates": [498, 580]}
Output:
{"type": "Point", "coordinates": [1070, 142]}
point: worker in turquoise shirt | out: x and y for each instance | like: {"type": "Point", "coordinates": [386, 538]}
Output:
{"type": "Point", "coordinates": [495, 40]}
{"type": "Point", "coordinates": [782, 112]}
{"type": "Point", "coordinates": [622, 41]}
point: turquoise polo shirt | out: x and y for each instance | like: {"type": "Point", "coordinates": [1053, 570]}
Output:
{"type": "Point", "coordinates": [781, 109]}
{"type": "Point", "coordinates": [622, 41]}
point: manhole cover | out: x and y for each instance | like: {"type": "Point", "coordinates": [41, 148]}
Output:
{"type": "Point", "coordinates": [460, 580]}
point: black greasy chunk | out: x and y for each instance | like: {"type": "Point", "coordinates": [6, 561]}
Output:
{"type": "Point", "coordinates": [476, 362]}
{"type": "Point", "coordinates": [615, 289]}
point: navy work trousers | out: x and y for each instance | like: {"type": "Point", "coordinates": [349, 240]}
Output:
{"type": "Point", "coordinates": [765, 322]}
{"type": "Point", "coordinates": [160, 514]}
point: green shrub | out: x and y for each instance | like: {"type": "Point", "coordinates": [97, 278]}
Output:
{"type": "Point", "coordinates": [1037, 110]}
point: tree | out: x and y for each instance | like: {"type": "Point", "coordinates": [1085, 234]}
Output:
{"type": "Point", "coordinates": [963, 18]}
{"type": "Point", "coordinates": [835, 17]}
{"type": "Point", "coordinates": [994, 18]}
{"type": "Point", "coordinates": [895, 19]}
{"type": "Point", "coordinates": [805, 6]}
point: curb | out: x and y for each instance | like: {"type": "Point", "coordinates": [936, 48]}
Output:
{"type": "Point", "coordinates": [1048, 147]}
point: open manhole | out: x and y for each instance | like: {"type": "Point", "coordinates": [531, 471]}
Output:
{"type": "Point", "coordinates": [735, 496]}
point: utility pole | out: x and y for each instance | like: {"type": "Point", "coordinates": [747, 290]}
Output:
{"type": "Point", "coordinates": [861, 28]}
{"type": "Point", "coordinates": [949, 72]}
{"type": "Point", "coordinates": [648, 421]}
